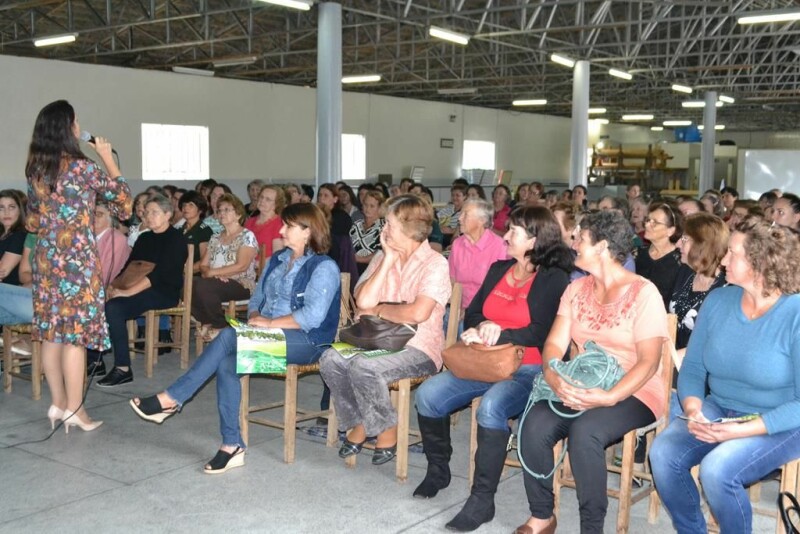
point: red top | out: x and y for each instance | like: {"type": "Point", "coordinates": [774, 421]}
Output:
{"type": "Point", "coordinates": [265, 233]}
{"type": "Point", "coordinates": [508, 307]}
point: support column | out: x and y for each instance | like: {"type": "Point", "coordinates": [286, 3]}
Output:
{"type": "Point", "coordinates": [709, 139]}
{"type": "Point", "coordinates": [329, 94]}
{"type": "Point", "coordinates": [579, 141]}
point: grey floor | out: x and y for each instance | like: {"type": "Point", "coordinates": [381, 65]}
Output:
{"type": "Point", "coordinates": [135, 476]}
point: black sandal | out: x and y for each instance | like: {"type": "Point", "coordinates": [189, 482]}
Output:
{"type": "Point", "coordinates": [149, 408]}
{"type": "Point", "coordinates": [384, 454]}
{"type": "Point", "coordinates": [349, 448]}
{"type": "Point", "coordinates": [223, 461]}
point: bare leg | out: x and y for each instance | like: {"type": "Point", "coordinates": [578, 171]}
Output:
{"type": "Point", "coordinates": [74, 369]}
{"type": "Point", "coordinates": [357, 434]}
{"type": "Point", "coordinates": [51, 364]}
{"type": "Point", "coordinates": [387, 438]}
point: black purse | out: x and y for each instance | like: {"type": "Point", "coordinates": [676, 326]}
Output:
{"type": "Point", "coordinates": [371, 332]}
{"type": "Point", "coordinates": [790, 513]}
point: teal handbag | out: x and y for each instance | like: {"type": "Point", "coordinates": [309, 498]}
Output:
{"type": "Point", "coordinates": [593, 368]}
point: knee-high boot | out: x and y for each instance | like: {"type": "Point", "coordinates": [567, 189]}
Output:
{"type": "Point", "coordinates": [436, 443]}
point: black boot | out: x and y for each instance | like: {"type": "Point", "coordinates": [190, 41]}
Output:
{"type": "Point", "coordinates": [164, 336]}
{"type": "Point", "coordinates": [436, 443]}
{"type": "Point", "coordinates": [489, 460]}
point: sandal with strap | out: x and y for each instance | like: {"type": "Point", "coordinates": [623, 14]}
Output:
{"type": "Point", "coordinates": [223, 461]}
{"type": "Point", "coordinates": [149, 408]}
{"type": "Point", "coordinates": [349, 448]}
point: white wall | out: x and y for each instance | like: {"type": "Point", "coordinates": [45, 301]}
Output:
{"type": "Point", "coordinates": [261, 130]}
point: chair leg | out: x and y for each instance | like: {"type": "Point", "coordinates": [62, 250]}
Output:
{"type": "Point", "coordinates": [36, 369]}
{"type": "Point", "coordinates": [473, 438]}
{"type": "Point", "coordinates": [244, 409]}
{"type": "Point", "coordinates": [184, 326]}
{"type": "Point", "coordinates": [403, 414]}
{"type": "Point", "coordinates": [333, 428]}
{"type": "Point", "coordinates": [626, 482]}
{"type": "Point", "coordinates": [557, 475]}
{"type": "Point", "coordinates": [290, 414]}
{"type": "Point", "coordinates": [7, 357]}
{"type": "Point", "coordinates": [150, 329]}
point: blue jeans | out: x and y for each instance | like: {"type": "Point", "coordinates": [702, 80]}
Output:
{"type": "Point", "coordinates": [16, 304]}
{"type": "Point", "coordinates": [441, 395]}
{"type": "Point", "coordinates": [725, 470]}
{"type": "Point", "coordinates": [220, 358]}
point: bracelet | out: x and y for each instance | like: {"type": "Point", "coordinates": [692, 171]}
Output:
{"type": "Point", "coordinates": [378, 312]}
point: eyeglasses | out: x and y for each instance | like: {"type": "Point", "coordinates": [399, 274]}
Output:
{"type": "Point", "coordinates": [654, 222]}
{"type": "Point", "coordinates": [226, 210]}
{"type": "Point", "coordinates": [685, 239]}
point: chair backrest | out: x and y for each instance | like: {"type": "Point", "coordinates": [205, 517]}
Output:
{"type": "Point", "coordinates": [261, 258]}
{"type": "Point", "coordinates": [346, 309]}
{"type": "Point", "coordinates": [667, 351]}
{"type": "Point", "coordinates": [188, 276]}
{"type": "Point", "coordinates": [455, 315]}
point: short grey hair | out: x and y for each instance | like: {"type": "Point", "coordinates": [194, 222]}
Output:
{"type": "Point", "coordinates": [259, 182]}
{"type": "Point", "coordinates": [163, 203]}
{"type": "Point", "coordinates": [484, 209]}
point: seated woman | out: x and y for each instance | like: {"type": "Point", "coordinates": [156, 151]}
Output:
{"type": "Point", "coordinates": [743, 358]}
{"type": "Point", "coordinates": [407, 271]}
{"type": "Point", "coordinates": [659, 261]}
{"type": "Point", "coordinates": [366, 232]}
{"type": "Point", "coordinates": [267, 224]}
{"type": "Point", "coordinates": [500, 202]}
{"type": "Point", "coordinates": [348, 202]}
{"type": "Point", "coordinates": [786, 211]}
{"type": "Point", "coordinates": [12, 236]}
{"type": "Point", "coordinates": [138, 223]}
{"type": "Point", "coordinates": [194, 206]}
{"type": "Point", "coordinates": [227, 270]}
{"type": "Point", "coordinates": [516, 303]}
{"type": "Point", "coordinates": [703, 245]}
{"type": "Point", "coordinates": [624, 314]}
{"type": "Point", "coordinates": [166, 248]}
{"type": "Point", "coordinates": [299, 293]}
{"type": "Point", "coordinates": [16, 246]}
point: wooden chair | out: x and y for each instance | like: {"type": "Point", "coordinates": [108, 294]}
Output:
{"type": "Point", "coordinates": [401, 397]}
{"type": "Point", "coordinates": [182, 314]}
{"type": "Point", "coordinates": [291, 413]}
{"type": "Point", "coordinates": [12, 362]}
{"type": "Point", "coordinates": [625, 494]}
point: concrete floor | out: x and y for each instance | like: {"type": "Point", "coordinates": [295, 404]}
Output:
{"type": "Point", "coordinates": [135, 476]}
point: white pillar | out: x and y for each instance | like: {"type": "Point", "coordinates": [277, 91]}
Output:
{"type": "Point", "coordinates": [709, 136]}
{"type": "Point", "coordinates": [329, 94]}
{"type": "Point", "coordinates": [579, 140]}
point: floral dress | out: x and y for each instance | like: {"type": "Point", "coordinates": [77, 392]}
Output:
{"type": "Point", "coordinates": [68, 293]}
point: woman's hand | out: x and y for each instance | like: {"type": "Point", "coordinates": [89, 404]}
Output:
{"type": "Point", "coordinates": [586, 399]}
{"type": "Point", "coordinates": [390, 251]}
{"type": "Point", "coordinates": [113, 293]}
{"type": "Point", "coordinates": [489, 332]}
{"type": "Point", "coordinates": [259, 321]}
{"type": "Point", "coordinates": [470, 335]}
{"type": "Point", "coordinates": [205, 271]}
{"type": "Point", "coordinates": [102, 146]}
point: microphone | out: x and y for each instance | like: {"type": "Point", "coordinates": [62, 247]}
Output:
{"type": "Point", "coordinates": [89, 138]}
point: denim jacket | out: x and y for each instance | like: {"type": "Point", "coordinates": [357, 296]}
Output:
{"type": "Point", "coordinates": [310, 291]}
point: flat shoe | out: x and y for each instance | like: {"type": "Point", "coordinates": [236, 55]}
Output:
{"type": "Point", "coordinates": [223, 461]}
{"type": "Point", "coordinates": [149, 408]}
{"type": "Point", "coordinates": [384, 454]}
{"type": "Point", "coordinates": [349, 448]}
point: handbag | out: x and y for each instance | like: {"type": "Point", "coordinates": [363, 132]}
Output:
{"type": "Point", "coordinates": [134, 273]}
{"type": "Point", "coordinates": [371, 332]}
{"type": "Point", "coordinates": [593, 368]}
{"type": "Point", "coordinates": [790, 515]}
{"type": "Point", "coordinates": [476, 361]}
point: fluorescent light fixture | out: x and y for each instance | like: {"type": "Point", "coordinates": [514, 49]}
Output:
{"type": "Point", "coordinates": [56, 40]}
{"type": "Point", "coordinates": [196, 72]}
{"type": "Point", "coordinates": [761, 17]}
{"type": "Point", "coordinates": [302, 5]}
{"type": "Point", "coordinates": [447, 35]}
{"type": "Point", "coordinates": [727, 99]}
{"type": "Point", "coordinates": [620, 74]}
{"type": "Point", "coordinates": [682, 88]}
{"type": "Point", "coordinates": [235, 61]}
{"type": "Point", "coordinates": [639, 117]}
{"type": "Point", "coordinates": [458, 91]}
{"type": "Point", "coordinates": [698, 104]}
{"type": "Point", "coordinates": [657, 128]}
{"type": "Point", "coordinates": [677, 123]}
{"type": "Point", "coordinates": [362, 78]}
{"type": "Point", "coordinates": [716, 127]}
{"type": "Point", "coordinates": [561, 60]}
{"type": "Point", "coordinates": [597, 111]}
{"type": "Point", "coordinates": [599, 121]}
{"type": "Point", "coordinates": [531, 102]}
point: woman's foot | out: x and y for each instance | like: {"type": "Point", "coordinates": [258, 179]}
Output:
{"type": "Point", "coordinates": [227, 457]}
{"type": "Point", "coordinates": [81, 420]}
{"type": "Point", "coordinates": [155, 408]}
{"type": "Point", "coordinates": [353, 443]}
{"type": "Point", "coordinates": [534, 525]}
{"type": "Point", "coordinates": [383, 455]}
{"type": "Point", "coordinates": [54, 413]}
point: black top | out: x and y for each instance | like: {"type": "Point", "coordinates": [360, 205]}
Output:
{"type": "Point", "coordinates": [168, 250]}
{"type": "Point", "coordinates": [661, 272]}
{"type": "Point", "coordinates": [685, 303]}
{"type": "Point", "coordinates": [543, 301]}
{"type": "Point", "coordinates": [13, 244]}
{"type": "Point", "coordinates": [199, 233]}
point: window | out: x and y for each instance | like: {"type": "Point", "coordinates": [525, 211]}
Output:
{"type": "Point", "coordinates": [354, 157]}
{"type": "Point", "coordinates": [478, 155]}
{"type": "Point", "coordinates": [174, 152]}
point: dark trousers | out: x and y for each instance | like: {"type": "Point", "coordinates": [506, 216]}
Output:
{"type": "Point", "coordinates": [118, 311]}
{"type": "Point", "coordinates": [588, 436]}
{"type": "Point", "coordinates": [208, 294]}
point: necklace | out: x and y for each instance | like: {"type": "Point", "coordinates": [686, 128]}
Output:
{"type": "Point", "coordinates": [518, 282]}
{"type": "Point", "coordinates": [764, 308]}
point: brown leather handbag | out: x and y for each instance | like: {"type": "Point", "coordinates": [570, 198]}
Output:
{"type": "Point", "coordinates": [477, 361]}
{"type": "Point", "coordinates": [134, 272]}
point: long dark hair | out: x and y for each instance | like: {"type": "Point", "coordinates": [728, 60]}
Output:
{"type": "Point", "coordinates": [52, 141]}
{"type": "Point", "coordinates": [549, 249]}
{"type": "Point", "coordinates": [19, 224]}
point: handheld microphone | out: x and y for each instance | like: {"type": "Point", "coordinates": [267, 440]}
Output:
{"type": "Point", "coordinates": [89, 138]}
